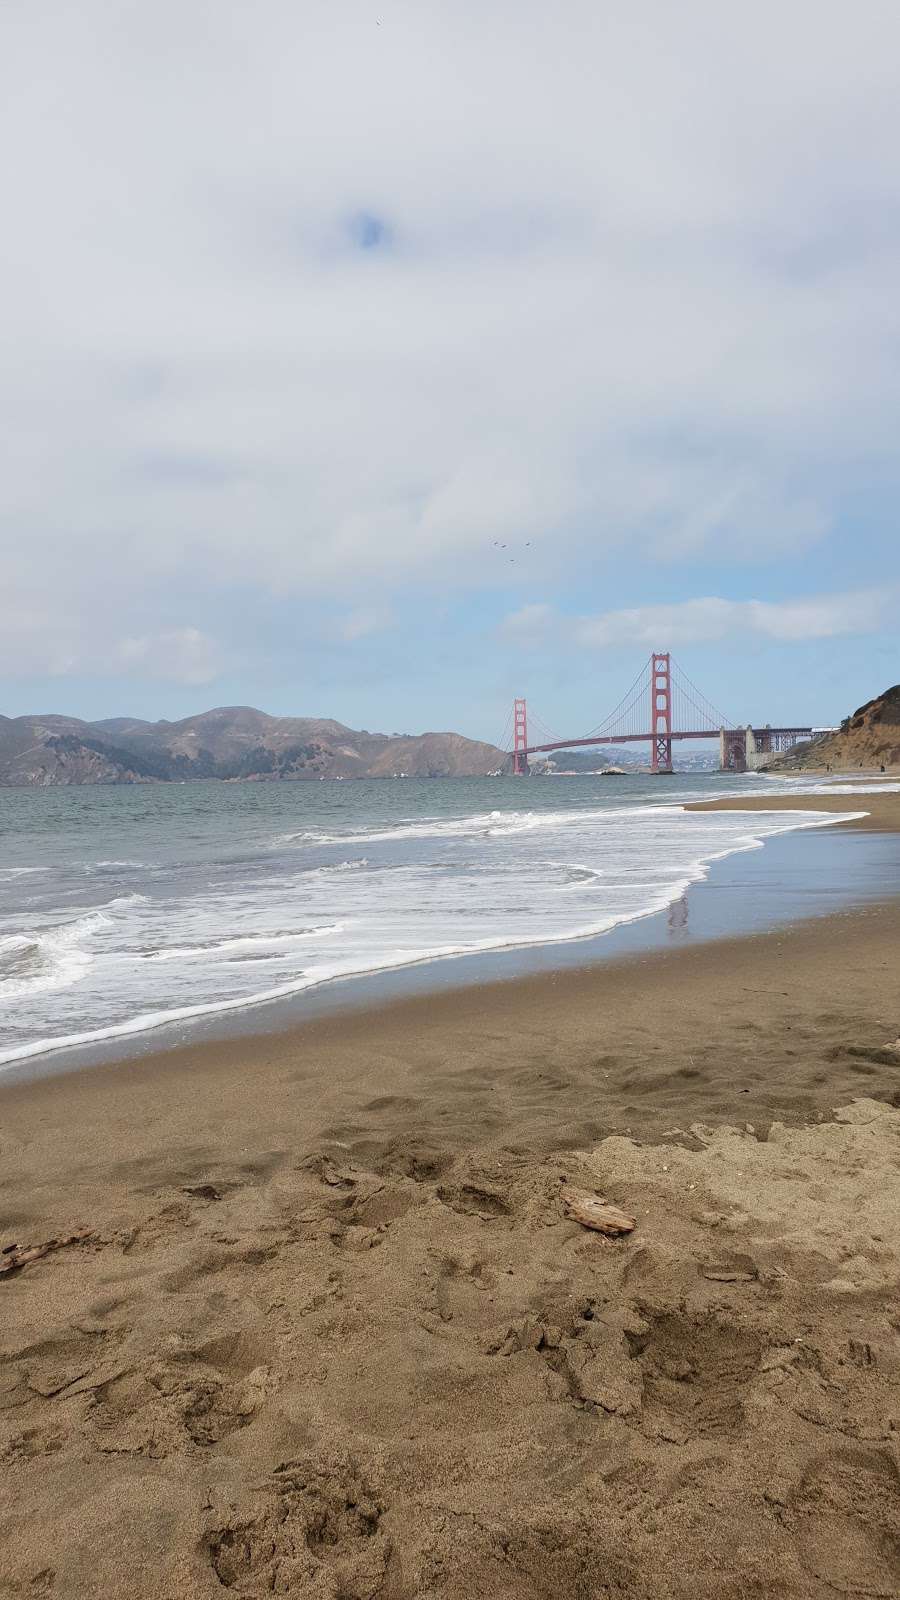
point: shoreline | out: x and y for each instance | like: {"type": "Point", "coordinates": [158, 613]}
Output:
{"type": "Point", "coordinates": [882, 810]}
{"type": "Point", "coordinates": [751, 888]}
{"type": "Point", "coordinates": [331, 1330]}
{"type": "Point", "coordinates": [580, 993]}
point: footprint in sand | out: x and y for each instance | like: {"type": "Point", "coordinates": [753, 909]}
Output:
{"type": "Point", "coordinates": [695, 1372]}
{"type": "Point", "coordinates": [471, 1199]}
{"type": "Point", "coordinates": [846, 1512]}
{"type": "Point", "coordinates": [158, 1408]}
{"type": "Point", "coordinates": [320, 1533]}
{"type": "Point", "coordinates": [61, 1365]}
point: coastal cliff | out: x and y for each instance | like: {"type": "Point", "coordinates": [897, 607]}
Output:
{"type": "Point", "coordinates": [869, 738]}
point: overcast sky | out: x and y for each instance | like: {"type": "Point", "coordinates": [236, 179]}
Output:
{"type": "Point", "coordinates": [383, 360]}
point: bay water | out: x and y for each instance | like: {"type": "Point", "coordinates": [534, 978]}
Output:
{"type": "Point", "coordinates": [126, 908]}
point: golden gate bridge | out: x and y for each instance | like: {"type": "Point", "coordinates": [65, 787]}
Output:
{"type": "Point", "coordinates": [662, 706]}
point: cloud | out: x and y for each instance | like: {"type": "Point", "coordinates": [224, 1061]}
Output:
{"type": "Point", "coordinates": [183, 655]}
{"type": "Point", "coordinates": [709, 620]}
{"type": "Point", "coordinates": [365, 620]}
{"type": "Point", "coordinates": [45, 645]}
{"type": "Point", "coordinates": [531, 624]}
{"type": "Point", "coordinates": [363, 300]}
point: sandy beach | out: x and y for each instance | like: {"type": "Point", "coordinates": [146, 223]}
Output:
{"type": "Point", "coordinates": [331, 1333]}
{"type": "Point", "coordinates": [882, 811]}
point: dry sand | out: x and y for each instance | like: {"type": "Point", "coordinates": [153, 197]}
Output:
{"type": "Point", "coordinates": [334, 1337]}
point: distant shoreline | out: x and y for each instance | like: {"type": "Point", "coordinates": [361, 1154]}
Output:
{"type": "Point", "coordinates": [360, 777]}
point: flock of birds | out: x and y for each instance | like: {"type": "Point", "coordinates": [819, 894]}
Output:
{"type": "Point", "coordinates": [499, 545]}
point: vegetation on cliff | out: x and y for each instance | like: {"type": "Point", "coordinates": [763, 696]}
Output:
{"type": "Point", "coordinates": [870, 739]}
{"type": "Point", "coordinates": [230, 742]}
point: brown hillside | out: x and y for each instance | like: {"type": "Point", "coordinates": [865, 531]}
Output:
{"type": "Point", "coordinates": [229, 742]}
{"type": "Point", "coordinates": [869, 739]}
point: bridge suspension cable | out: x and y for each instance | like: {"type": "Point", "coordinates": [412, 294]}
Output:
{"type": "Point", "coordinates": [538, 726]}
{"type": "Point", "coordinates": [633, 708]}
{"type": "Point", "coordinates": [688, 697]}
{"type": "Point", "coordinates": [505, 740]}
{"type": "Point", "coordinates": [662, 705]}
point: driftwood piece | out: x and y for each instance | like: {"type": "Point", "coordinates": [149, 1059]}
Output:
{"type": "Point", "coordinates": [16, 1256]}
{"type": "Point", "coordinates": [726, 1272]}
{"type": "Point", "coordinates": [592, 1211]}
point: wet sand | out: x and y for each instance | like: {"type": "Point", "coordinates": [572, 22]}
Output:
{"type": "Point", "coordinates": [333, 1336]}
{"type": "Point", "coordinates": [882, 810]}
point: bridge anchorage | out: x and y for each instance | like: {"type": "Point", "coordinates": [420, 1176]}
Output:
{"type": "Point", "coordinates": [662, 706]}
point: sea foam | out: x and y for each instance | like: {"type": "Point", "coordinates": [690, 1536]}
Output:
{"type": "Point", "coordinates": [327, 902]}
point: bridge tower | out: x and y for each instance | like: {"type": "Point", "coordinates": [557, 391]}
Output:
{"type": "Point", "coordinates": [661, 711]}
{"type": "Point", "coordinates": [733, 749]}
{"type": "Point", "coordinates": [520, 739]}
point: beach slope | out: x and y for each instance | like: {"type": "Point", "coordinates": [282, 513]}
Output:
{"type": "Point", "coordinates": [881, 808]}
{"type": "Point", "coordinates": [332, 1333]}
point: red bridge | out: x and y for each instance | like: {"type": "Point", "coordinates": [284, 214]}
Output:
{"type": "Point", "coordinates": [661, 706]}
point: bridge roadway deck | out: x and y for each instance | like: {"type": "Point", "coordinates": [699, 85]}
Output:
{"type": "Point", "coordinates": [647, 738]}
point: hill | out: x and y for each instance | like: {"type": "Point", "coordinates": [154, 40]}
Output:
{"type": "Point", "coordinates": [629, 758]}
{"type": "Point", "coordinates": [590, 761]}
{"type": "Point", "coordinates": [229, 742]}
{"type": "Point", "coordinates": [870, 739]}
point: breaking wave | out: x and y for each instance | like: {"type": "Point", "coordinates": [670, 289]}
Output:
{"type": "Point", "coordinates": [333, 900]}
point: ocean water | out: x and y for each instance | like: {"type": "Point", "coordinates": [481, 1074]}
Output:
{"type": "Point", "coordinates": [124, 909]}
